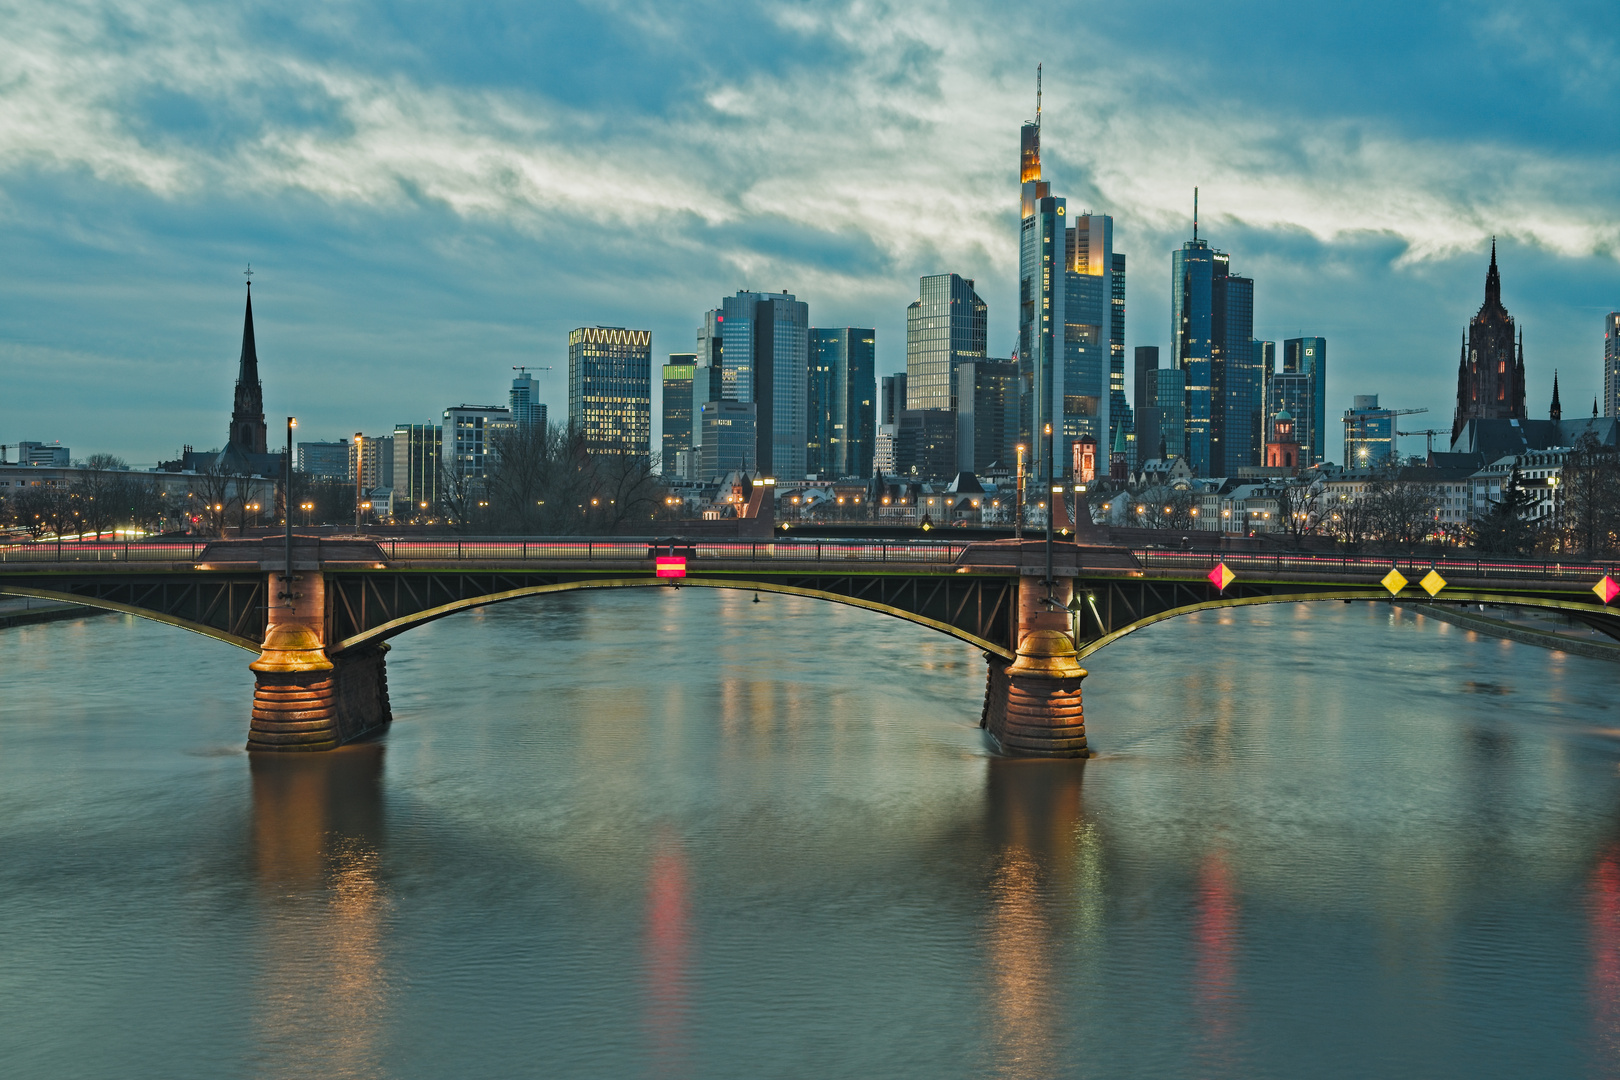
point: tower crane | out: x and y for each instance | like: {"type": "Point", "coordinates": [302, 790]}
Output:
{"type": "Point", "coordinates": [1428, 434]}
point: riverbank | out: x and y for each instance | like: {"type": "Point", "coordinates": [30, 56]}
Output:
{"type": "Point", "coordinates": [1525, 628]}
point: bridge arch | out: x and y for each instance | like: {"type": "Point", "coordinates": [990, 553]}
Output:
{"type": "Point", "coordinates": [139, 612]}
{"type": "Point", "coordinates": [395, 627]}
{"type": "Point", "coordinates": [1581, 608]}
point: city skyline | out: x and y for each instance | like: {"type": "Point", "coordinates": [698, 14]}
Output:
{"type": "Point", "coordinates": [409, 280]}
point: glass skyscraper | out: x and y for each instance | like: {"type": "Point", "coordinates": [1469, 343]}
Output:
{"type": "Point", "coordinates": [1212, 327]}
{"type": "Point", "coordinates": [610, 388]}
{"type": "Point", "coordinates": [1308, 356]}
{"type": "Point", "coordinates": [1120, 415]}
{"type": "Point", "coordinates": [1611, 364]}
{"type": "Point", "coordinates": [842, 422]}
{"type": "Point", "coordinates": [766, 345]}
{"type": "Point", "coordinates": [524, 401]}
{"type": "Point", "coordinates": [945, 325]}
{"type": "Point", "coordinates": [676, 436]}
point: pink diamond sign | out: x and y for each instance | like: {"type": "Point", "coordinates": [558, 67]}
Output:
{"type": "Point", "coordinates": [1607, 589]}
{"type": "Point", "coordinates": [1221, 577]}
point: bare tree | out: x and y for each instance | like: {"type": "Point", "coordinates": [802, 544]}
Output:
{"type": "Point", "coordinates": [1590, 515]}
{"type": "Point", "coordinates": [1300, 509]}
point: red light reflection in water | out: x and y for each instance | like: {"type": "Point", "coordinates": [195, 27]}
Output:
{"type": "Point", "coordinates": [666, 958]}
{"type": "Point", "coordinates": [1215, 933]}
{"type": "Point", "coordinates": [1603, 910]}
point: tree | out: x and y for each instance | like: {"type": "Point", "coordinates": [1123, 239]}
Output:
{"type": "Point", "coordinates": [1299, 509]}
{"type": "Point", "coordinates": [93, 491]}
{"type": "Point", "coordinates": [1399, 513]}
{"type": "Point", "coordinates": [1590, 483]}
{"type": "Point", "coordinates": [543, 481]}
{"type": "Point", "coordinates": [1506, 527]}
{"type": "Point", "coordinates": [1163, 508]}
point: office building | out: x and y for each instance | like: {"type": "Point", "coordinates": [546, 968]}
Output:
{"type": "Point", "coordinates": [766, 343]}
{"type": "Point", "coordinates": [892, 398]}
{"type": "Point", "coordinates": [676, 432]}
{"type": "Point", "coordinates": [925, 444]}
{"type": "Point", "coordinates": [376, 456]}
{"type": "Point", "coordinates": [1144, 400]}
{"type": "Point", "coordinates": [1121, 417]}
{"type": "Point", "coordinates": [708, 378]}
{"type": "Point", "coordinates": [730, 438]}
{"type": "Point", "coordinates": [324, 460]}
{"type": "Point", "coordinates": [1169, 414]}
{"type": "Point", "coordinates": [1293, 392]}
{"type": "Point", "coordinates": [1369, 434]}
{"type": "Point", "coordinates": [524, 401]}
{"type": "Point", "coordinates": [842, 411]}
{"type": "Point", "coordinates": [1086, 399]}
{"type": "Point", "coordinates": [417, 451]}
{"type": "Point", "coordinates": [945, 325]}
{"type": "Point", "coordinates": [469, 433]}
{"type": "Point", "coordinates": [1611, 364]}
{"type": "Point", "coordinates": [986, 415]}
{"type": "Point", "coordinates": [1308, 356]}
{"type": "Point", "coordinates": [1212, 327]}
{"type": "Point", "coordinates": [1043, 251]}
{"type": "Point", "coordinates": [51, 455]}
{"type": "Point", "coordinates": [1490, 371]}
{"type": "Point", "coordinates": [610, 388]}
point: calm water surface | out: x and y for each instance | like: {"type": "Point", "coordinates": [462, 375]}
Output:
{"type": "Point", "coordinates": [686, 835]}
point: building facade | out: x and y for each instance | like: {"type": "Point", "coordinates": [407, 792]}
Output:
{"type": "Point", "coordinates": [1490, 371]}
{"type": "Point", "coordinates": [524, 401]}
{"type": "Point", "coordinates": [1212, 329]}
{"type": "Point", "coordinates": [1307, 356]}
{"type": "Point", "coordinates": [1144, 400]}
{"type": "Point", "coordinates": [841, 425]}
{"type": "Point", "coordinates": [1611, 364]}
{"type": "Point", "coordinates": [945, 325]}
{"type": "Point", "coordinates": [986, 415]}
{"type": "Point", "coordinates": [417, 451]}
{"type": "Point", "coordinates": [676, 432]}
{"type": "Point", "coordinates": [766, 342]}
{"type": "Point", "coordinates": [468, 439]}
{"type": "Point", "coordinates": [610, 388]}
{"type": "Point", "coordinates": [925, 444]}
{"type": "Point", "coordinates": [1369, 434]}
{"type": "Point", "coordinates": [730, 438]}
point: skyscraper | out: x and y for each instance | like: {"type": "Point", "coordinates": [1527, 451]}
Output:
{"type": "Point", "coordinates": [1212, 327]}
{"type": "Point", "coordinates": [986, 415]}
{"type": "Point", "coordinates": [842, 420]}
{"type": "Point", "coordinates": [524, 401]}
{"type": "Point", "coordinates": [708, 380]}
{"type": "Point", "coordinates": [1369, 434]}
{"type": "Point", "coordinates": [610, 388]}
{"type": "Point", "coordinates": [730, 440]}
{"type": "Point", "coordinates": [677, 426]}
{"type": "Point", "coordinates": [892, 398]}
{"type": "Point", "coordinates": [1042, 291]}
{"type": "Point", "coordinates": [417, 449]}
{"type": "Point", "coordinates": [1490, 376]}
{"type": "Point", "coordinates": [945, 325]}
{"type": "Point", "coordinates": [1308, 356]}
{"type": "Point", "coordinates": [1087, 398]}
{"type": "Point", "coordinates": [767, 362]}
{"type": "Point", "coordinates": [1145, 401]}
{"type": "Point", "coordinates": [1121, 418]}
{"type": "Point", "coordinates": [1170, 413]}
{"type": "Point", "coordinates": [1611, 364]}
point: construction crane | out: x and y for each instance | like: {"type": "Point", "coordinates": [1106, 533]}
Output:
{"type": "Point", "coordinates": [1428, 434]}
{"type": "Point", "coordinates": [521, 370]}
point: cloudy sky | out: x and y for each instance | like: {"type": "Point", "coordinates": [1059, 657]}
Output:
{"type": "Point", "coordinates": [430, 194]}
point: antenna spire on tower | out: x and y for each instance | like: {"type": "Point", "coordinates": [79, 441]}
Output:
{"type": "Point", "coordinates": [1037, 96]}
{"type": "Point", "coordinates": [1195, 213]}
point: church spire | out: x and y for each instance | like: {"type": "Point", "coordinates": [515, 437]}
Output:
{"type": "Point", "coordinates": [248, 433]}
{"type": "Point", "coordinates": [1557, 410]}
{"type": "Point", "coordinates": [1493, 281]}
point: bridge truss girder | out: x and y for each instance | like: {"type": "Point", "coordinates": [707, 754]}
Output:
{"type": "Point", "coordinates": [230, 608]}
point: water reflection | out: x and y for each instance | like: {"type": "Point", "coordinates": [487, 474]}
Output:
{"type": "Point", "coordinates": [316, 849]}
{"type": "Point", "coordinates": [667, 958]}
{"type": "Point", "coordinates": [1215, 979]}
{"type": "Point", "coordinates": [1603, 913]}
{"type": "Point", "coordinates": [1034, 818]}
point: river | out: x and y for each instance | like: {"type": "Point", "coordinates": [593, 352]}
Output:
{"type": "Point", "coordinates": [684, 834]}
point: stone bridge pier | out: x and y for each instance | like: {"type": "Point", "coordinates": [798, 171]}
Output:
{"type": "Point", "coordinates": [1032, 703]}
{"type": "Point", "coordinates": [304, 699]}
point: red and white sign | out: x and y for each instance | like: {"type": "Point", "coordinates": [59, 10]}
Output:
{"type": "Point", "coordinates": [670, 565]}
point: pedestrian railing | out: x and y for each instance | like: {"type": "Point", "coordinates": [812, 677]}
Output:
{"type": "Point", "coordinates": [1374, 566]}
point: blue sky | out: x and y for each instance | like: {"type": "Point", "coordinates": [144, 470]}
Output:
{"type": "Point", "coordinates": [430, 193]}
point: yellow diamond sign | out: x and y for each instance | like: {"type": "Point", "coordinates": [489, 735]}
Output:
{"type": "Point", "coordinates": [1393, 581]}
{"type": "Point", "coordinates": [1432, 583]}
{"type": "Point", "coordinates": [1607, 589]}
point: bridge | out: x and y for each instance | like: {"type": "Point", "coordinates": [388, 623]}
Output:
{"type": "Point", "coordinates": [320, 625]}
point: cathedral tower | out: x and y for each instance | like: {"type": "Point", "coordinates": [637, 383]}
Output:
{"type": "Point", "coordinates": [247, 418]}
{"type": "Point", "coordinates": [1490, 373]}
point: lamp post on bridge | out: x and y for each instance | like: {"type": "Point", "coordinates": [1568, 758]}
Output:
{"type": "Point", "coordinates": [286, 502]}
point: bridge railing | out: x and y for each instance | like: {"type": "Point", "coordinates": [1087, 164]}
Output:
{"type": "Point", "coordinates": [564, 550]}
{"type": "Point", "coordinates": [1376, 567]}
{"type": "Point", "coordinates": [554, 549]}
{"type": "Point", "coordinates": [104, 552]}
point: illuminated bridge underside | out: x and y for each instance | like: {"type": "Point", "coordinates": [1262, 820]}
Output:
{"type": "Point", "coordinates": [1113, 608]}
{"type": "Point", "coordinates": [371, 607]}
